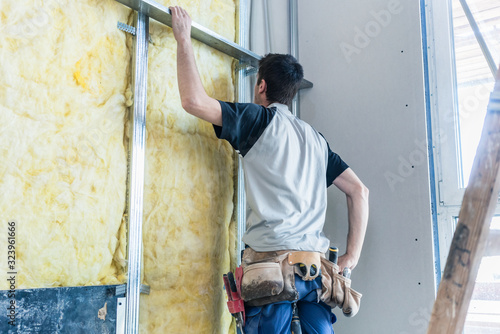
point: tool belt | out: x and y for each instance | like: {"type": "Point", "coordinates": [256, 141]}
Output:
{"type": "Point", "coordinates": [336, 290]}
{"type": "Point", "coordinates": [269, 277]}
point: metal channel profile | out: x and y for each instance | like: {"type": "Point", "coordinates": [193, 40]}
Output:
{"type": "Point", "coordinates": [122, 289]}
{"type": "Point", "coordinates": [136, 174]}
{"type": "Point", "coordinates": [121, 305]}
{"type": "Point", "coordinates": [162, 14]}
{"type": "Point", "coordinates": [242, 82]}
{"type": "Point", "coordinates": [293, 21]}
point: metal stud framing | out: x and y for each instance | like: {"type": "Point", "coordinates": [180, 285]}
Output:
{"type": "Point", "coordinates": [146, 9]}
{"type": "Point", "coordinates": [162, 14]}
{"type": "Point", "coordinates": [242, 82]}
{"type": "Point", "coordinates": [293, 20]}
{"type": "Point", "coordinates": [136, 173]}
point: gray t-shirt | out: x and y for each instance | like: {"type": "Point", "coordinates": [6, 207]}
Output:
{"type": "Point", "coordinates": [288, 166]}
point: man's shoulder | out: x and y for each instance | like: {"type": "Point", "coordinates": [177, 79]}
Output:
{"type": "Point", "coordinates": [243, 124]}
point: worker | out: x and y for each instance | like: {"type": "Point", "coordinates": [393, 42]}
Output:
{"type": "Point", "coordinates": [288, 166]}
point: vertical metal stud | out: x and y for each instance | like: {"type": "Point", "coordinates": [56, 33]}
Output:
{"type": "Point", "coordinates": [242, 81]}
{"type": "Point", "coordinates": [293, 20]}
{"type": "Point", "coordinates": [136, 174]}
{"type": "Point", "coordinates": [267, 26]}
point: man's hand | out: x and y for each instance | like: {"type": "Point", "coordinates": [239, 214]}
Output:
{"type": "Point", "coordinates": [348, 261]}
{"type": "Point", "coordinates": [181, 24]}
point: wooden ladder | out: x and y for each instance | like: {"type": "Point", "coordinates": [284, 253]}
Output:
{"type": "Point", "coordinates": [471, 234]}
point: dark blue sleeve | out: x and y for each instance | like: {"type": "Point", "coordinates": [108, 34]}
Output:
{"type": "Point", "coordinates": [243, 123]}
{"type": "Point", "coordinates": [336, 166]}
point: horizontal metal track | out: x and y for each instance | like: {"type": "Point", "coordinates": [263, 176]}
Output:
{"type": "Point", "coordinates": [162, 14]}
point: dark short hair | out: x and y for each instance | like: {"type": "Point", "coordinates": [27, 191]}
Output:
{"type": "Point", "coordinates": [282, 74]}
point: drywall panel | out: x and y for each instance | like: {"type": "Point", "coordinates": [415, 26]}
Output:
{"type": "Point", "coordinates": [365, 60]}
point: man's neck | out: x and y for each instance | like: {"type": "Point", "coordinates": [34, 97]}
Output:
{"type": "Point", "coordinates": [267, 103]}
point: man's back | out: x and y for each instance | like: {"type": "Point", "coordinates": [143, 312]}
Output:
{"type": "Point", "coordinates": [288, 166]}
{"type": "Point", "coordinates": [285, 173]}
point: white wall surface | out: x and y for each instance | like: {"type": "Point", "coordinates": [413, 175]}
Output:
{"type": "Point", "coordinates": [365, 60]}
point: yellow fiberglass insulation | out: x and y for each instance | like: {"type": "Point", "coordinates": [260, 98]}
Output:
{"type": "Point", "coordinates": [64, 93]}
{"type": "Point", "coordinates": [63, 80]}
{"type": "Point", "coordinates": [188, 187]}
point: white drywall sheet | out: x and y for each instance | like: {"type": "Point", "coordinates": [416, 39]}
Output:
{"type": "Point", "coordinates": [365, 60]}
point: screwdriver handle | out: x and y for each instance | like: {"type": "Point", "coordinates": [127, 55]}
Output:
{"type": "Point", "coordinates": [334, 254]}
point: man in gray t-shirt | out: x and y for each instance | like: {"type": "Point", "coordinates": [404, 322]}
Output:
{"type": "Point", "coordinates": [288, 166]}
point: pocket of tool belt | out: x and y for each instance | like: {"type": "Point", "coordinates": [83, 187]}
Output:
{"type": "Point", "coordinates": [261, 280]}
{"type": "Point", "coordinates": [336, 290]}
{"type": "Point", "coordinates": [267, 278]}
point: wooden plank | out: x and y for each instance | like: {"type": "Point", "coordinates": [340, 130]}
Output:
{"type": "Point", "coordinates": [471, 234]}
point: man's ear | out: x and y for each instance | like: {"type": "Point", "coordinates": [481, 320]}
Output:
{"type": "Point", "coordinates": [262, 86]}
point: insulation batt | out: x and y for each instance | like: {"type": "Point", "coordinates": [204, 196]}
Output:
{"type": "Point", "coordinates": [63, 81]}
{"type": "Point", "coordinates": [188, 187]}
{"type": "Point", "coordinates": [64, 93]}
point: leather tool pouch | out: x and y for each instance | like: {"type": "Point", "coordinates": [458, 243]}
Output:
{"type": "Point", "coordinates": [336, 290]}
{"type": "Point", "coordinates": [267, 278]}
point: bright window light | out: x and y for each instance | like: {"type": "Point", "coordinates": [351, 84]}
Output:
{"type": "Point", "coordinates": [473, 75]}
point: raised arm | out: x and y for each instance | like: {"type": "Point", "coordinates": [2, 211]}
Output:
{"type": "Point", "coordinates": [357, 208]}
{"type": "Point", "coordinates": [193, 96]}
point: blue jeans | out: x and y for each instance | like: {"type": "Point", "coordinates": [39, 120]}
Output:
{"type": "Point", "coordinates": [276, 318]}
